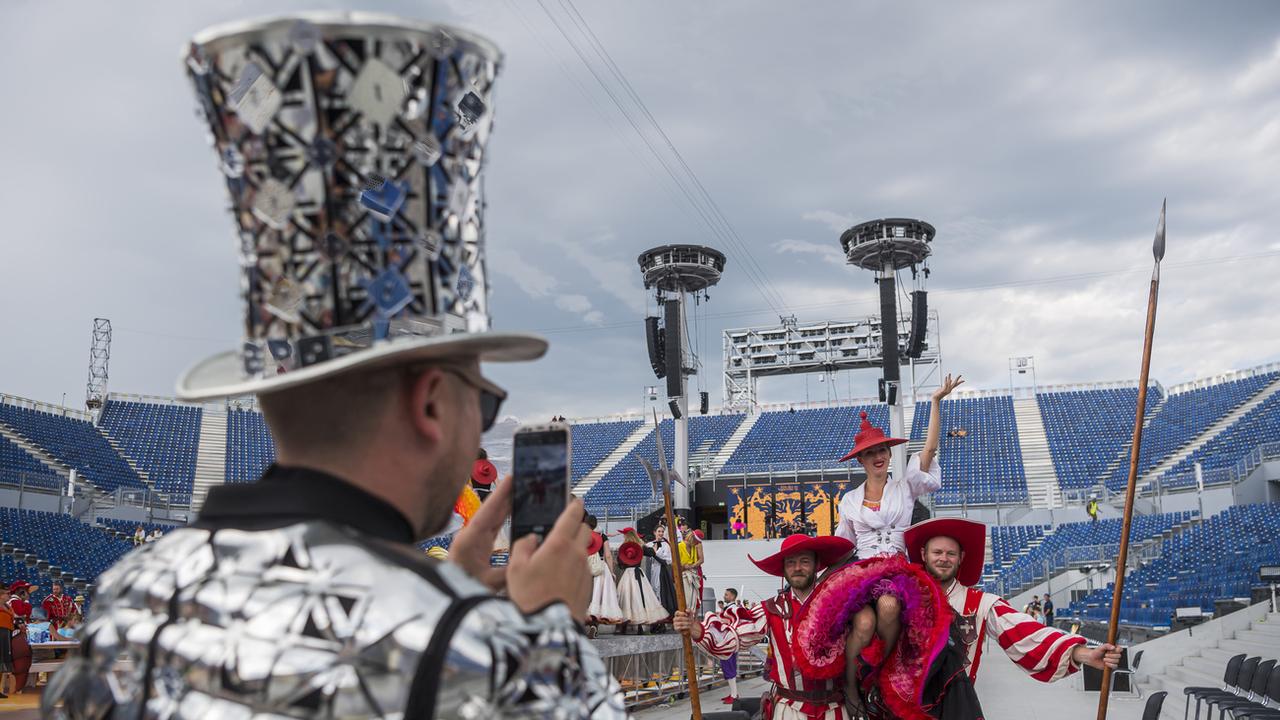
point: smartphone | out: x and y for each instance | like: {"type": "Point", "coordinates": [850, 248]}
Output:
{"type": "Point", "coordinates": [541, 462]}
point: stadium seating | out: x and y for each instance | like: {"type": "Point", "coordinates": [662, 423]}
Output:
{"type": "Point", "coordinates": [1259, 425]}
{"type": "Point", "coordinates": [803, 439]}
{"type": "Point", "coordinates": [128, 527]}
{"type": "Point", "coordinates": [162, 440]}
{"type": "Point", "coordinates": [249, 446]}
{"type": "Point", "coordinates": [1070, 541]}
{"type": "Point", "coordinates": [74, 442]}
{"type": "Point", "coordinates": [978, 450]}
{"type": "Point", "coordinates": [626, 487]}
{"type": "Point", "coordinates": [62, 540]}
{"type": "Point", "coordinates": [1008, 540]}
{"type": "Point", "coordinates": [1213, 560]}
{"type": "Point", "coordinates": [1086, 430]}
{"type": "Point", "coordinates": [1185, 415]}
{"type": "Point", "coordinates": [592, 442]}
{"type": "Point", "coordinates": [20, 468]}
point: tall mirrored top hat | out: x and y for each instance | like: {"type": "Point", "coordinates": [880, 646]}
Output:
{"type": "Point", "coordinates": [352, 146]}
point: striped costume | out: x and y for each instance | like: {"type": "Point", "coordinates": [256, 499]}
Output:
{"type": "Point", "coordinates": [793, 696]}
{"type": "Point", "coordinates": [1042, 652]}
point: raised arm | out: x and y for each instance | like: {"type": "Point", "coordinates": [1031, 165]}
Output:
{"type": "Point", "coordinates": [935, 420]}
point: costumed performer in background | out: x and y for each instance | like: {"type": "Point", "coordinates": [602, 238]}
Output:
{"type": "Point", "coordinates": [659, 553]}
{"type": "Point", "coordinates": [691, 558]}
{"type": "Point", "coordinates": [952, 551]}
{"type": "Point", "coordinates": [604, 609]}
{"type": "Point", "coordinates": [640, 604]}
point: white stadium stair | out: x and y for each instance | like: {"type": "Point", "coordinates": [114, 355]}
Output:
{"type": "Point", "coordinates": [731, 445]}
{"type": "Point", "coordinates": [211, 457]}
{"type": "Point", "coordinates": [1042, 479]}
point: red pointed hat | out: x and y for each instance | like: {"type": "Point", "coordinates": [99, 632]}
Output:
{"type": "Point", "coordinates": [971, 535]}
{"type": "Point", "coordinates": [630, 553]}
{"type": "Point", "coordinates": [483, 472]}
{"type": "Point", "coordinates": [870, 436]}
{"type": "Point", "coordinates": [827, 550]}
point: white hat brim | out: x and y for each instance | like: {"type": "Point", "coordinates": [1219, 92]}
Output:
{"type": "Point", "coordinates": [222, 375]}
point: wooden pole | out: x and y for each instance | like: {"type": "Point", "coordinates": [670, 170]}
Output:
{"type": "Point", "coordinates": [1122, 561]}
{"type": "Point", "coordinates": [690, 666]}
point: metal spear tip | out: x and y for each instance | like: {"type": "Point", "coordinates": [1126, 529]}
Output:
{"type": "Point", "coordinates": [1158, 248]}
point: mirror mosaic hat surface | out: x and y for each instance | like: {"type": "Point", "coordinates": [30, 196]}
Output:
{"type": "Point", "coordinates": [352, 147]}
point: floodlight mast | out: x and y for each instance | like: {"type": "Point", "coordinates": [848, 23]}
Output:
{"type": "Point", "coordinates": [675, 272]}
{"type": "Point", "coordinates": [884, 247]}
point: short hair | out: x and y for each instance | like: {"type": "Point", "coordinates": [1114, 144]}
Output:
{"type": "Point", "coordinates": [484, 455]}
{"type": "Point", "coordinates": [332, 413]}
{"type": "Point", "coordinates": [591, 521]}
{"type": "Point", "coordinates": [731, 590]}
{"type": "Point", "coordinates": [56, 582]}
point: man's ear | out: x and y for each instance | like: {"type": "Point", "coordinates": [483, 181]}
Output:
{"type": "Point", "coordinates": [428, 404]}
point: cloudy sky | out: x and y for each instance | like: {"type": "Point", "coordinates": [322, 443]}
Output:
{"type": "Point", "coordinates": [1039, 138]}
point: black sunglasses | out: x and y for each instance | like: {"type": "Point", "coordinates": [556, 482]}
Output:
{"type": "Point", "coordinates": [490, 401]}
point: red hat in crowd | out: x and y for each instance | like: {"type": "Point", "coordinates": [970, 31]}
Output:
{"type": "Point", "coordinates": [826, 551]}
{"type": "Point", "coordinates": [630, 553]}
{"type": "Point", "coordinates": [970, 534]}
{"type": "Point", "coordinates": [868, 437]}
{"type": "Point", "coordinates": [625, 530]}
{"type": "Point", "coordinates": [597, 541]}
{"type": "Point", "coordinates": [17, 585]}
{"type": "Point", "coordinates": [483, 472]}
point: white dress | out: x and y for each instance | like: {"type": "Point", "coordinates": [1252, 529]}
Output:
{"type": "Point", "coordinates": [879, 532]}
{"type": "Point", "coordinates": [640, 604]}
{"type": "Point", "coordinates": [604, 595]}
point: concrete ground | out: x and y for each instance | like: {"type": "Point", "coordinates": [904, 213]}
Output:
{"type": "Point", "coordinates": [1005, 691]}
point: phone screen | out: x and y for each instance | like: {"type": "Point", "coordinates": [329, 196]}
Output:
{"type": "Point", "coordinates": [541, 476]}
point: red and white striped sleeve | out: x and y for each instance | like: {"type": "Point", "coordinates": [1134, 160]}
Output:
{"type": "Point", "coordinates": [1042, 652]}
{"type": "Point", "coordinates": [734, 629]}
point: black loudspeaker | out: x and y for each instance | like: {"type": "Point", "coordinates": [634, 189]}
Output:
{"type": "Point", "coordinates": [703, 403]}
{"type": "Point", "coordinates": [655, 338]}
{"type": "Point", "coordinates": [888, 392]}
{"type": "Point", "coordinates": [673, 348]}
{"type": "Point", "coordinates": [919, 323]}
{"type": "Point", "coordinates": [675, 408]}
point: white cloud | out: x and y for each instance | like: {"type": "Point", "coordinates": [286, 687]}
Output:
{"type": "Point", "coordinates": [828, 252]}
{"type": "Point", "coordinates": [837, 222]}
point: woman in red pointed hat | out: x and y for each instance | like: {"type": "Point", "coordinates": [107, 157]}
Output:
{"type": "Point", "coordinates": [875, 514]}
{"type": "Point", "coordinates": [639, 602]}
{"type": "Point", "coordinates": [604, 608]}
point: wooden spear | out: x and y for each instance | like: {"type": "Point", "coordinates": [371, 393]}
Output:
{"type": "Point", "coordinates": [1121, 562]}
{"type": "Point", "coordinates": [662, 483]}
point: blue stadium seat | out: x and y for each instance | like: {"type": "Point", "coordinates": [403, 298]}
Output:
{"type": "Point", "coordinates": [74, 442]}
{"type": "Point", "coordinates": [160, 439]}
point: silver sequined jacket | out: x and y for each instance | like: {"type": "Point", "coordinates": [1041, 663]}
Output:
{"type": "Point", "coordinates": [314, 620]}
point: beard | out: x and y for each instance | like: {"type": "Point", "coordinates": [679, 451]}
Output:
{"type": "Point", "coordinates": [943, 575]}
{"type": "Point", "coordinates": [801, 581]}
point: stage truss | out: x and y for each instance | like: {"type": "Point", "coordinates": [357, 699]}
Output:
{"type": "Point", "coordinates": [794, 348]}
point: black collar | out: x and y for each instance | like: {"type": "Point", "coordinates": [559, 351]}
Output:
{"type": "Point", "coordinates": [292, 494]}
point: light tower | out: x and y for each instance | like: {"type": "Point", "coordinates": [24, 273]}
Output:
{"type": "Point", "coordinates": [884, 247]}
{"type": "Point", "coordinates": [677, 271]}
{"type": "Point", "coordinates": [95, 392]}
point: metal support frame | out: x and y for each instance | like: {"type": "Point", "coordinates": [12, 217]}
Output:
{"type": "Point", "coordinates": [95, 393]}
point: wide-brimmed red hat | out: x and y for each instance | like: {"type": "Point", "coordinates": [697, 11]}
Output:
{"type": "Point", "coordinates": [971, 534]}
{"type": "Point", "coordinates": [630, 553]}
{"type": "Point", "coordinates": [17, 585]}
{"type": "Point", "coordinates": [625, 530]}
{"type": "Point", "coordinates": [597, 541]}
{"type": "Point", "coordinates": [484, 472]}
{"type": "Point", "coordinates": [826, 551]}
{"type": "Point", "coordinates": [870, 436]}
